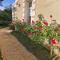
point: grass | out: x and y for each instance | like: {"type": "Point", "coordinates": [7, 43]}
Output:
{"type": "Point", "coordinates": [36, 49]}
{"type": "Point", "coordinates": [1, 56]}
{"type": "Point", "coordinates": [3, 26]}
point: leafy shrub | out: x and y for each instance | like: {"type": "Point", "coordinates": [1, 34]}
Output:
{"type": "Point", "coordinates": [12, 26]}
{"type": "Point", "coordinates": [41, 32]}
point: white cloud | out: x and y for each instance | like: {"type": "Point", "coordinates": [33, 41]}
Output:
{"type": "Point", "coordinates": [2, 8]}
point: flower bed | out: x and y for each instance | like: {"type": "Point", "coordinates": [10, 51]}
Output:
{"type": "Point", "coordinates": [39, 51]}
{"type": "Point", "coordinates": [43, 33]}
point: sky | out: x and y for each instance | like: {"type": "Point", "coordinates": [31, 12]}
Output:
{"type": "Point", "coordinates": [6, 3]}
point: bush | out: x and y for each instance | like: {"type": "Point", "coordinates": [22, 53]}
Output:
{"type": "Point", "coordinates": [12, 26]}
{"type": "Point", "coordinates": [41, 32]}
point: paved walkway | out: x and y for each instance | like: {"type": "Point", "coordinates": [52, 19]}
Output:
{"type": "Point", "coordinates": [12, 49]}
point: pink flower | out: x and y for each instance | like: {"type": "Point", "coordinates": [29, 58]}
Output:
{"type": "Point", "coordinates": [22, 18]}
{"type": "Point", "coordinates": [53, 41]}
{"type": "Point", "coordinates": [33, 22]}
{"type": "Point", "coordinates": [45, 22]}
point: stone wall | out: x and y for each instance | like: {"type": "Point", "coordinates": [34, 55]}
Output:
{"type": "Point", "coordinates": [18, 10]}
{"type": "Point", "coordinates": [47, 8]}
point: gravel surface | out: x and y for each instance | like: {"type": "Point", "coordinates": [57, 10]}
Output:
{"type": "Point", "coordinates": [12, 49]}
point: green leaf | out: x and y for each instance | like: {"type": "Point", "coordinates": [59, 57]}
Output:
{"type": "Point", "coordinates": [54, 47]}
{"type": "Point", "coordinates": [41, 17]}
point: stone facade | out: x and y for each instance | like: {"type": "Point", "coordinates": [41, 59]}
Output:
{"type": "Point", "coordinates": [28, 10]}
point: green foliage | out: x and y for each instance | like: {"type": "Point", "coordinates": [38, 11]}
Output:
{"type": "Point", "coordinates": [41, 17]}
{"type": "Point", "coordinates": [5, 17]}
{"type": "Point", "coordinates": [17, 26]}
{"type": "Point", "coordinates": [40, 32]}
{"type": "Point", "coordinates": [12, 26]}
{"type": "Point", "coordinates": [37, 49]}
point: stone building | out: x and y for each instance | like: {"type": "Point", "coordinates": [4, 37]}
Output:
{"type": "Point", "coordinates": [28, 10]}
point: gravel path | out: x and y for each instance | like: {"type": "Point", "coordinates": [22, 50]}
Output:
{"type": "Point", "coordinates": [12, 49]}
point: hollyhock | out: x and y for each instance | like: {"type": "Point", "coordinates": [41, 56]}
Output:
{"type": "Point", "coordinates": [45, 22]}
{"type": "Point", "coordinates": [53, 41]}
{"type": "Point", "coordinates": [33, 22]}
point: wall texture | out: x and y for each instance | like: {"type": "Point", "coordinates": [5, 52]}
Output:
{"type": "Point", "coordinates": [18, 9]}
{"type": "Point", "coordinates": [48, 7]}
{"type": "Point", "coordinates": [45, 7]}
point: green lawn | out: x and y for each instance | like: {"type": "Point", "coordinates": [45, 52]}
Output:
{"type": "Point", "coordinates": [36, 49]}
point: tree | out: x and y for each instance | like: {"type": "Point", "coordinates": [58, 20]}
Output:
{"type": "Point", "coordinates": [5, 16]}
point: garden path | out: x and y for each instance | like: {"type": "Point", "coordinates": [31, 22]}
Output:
{"type": "Point", "coordinates": [12, 49]}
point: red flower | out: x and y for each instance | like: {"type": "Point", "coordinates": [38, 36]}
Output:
{"type": "Point", "coordinates": [53, 41]}
{"type": "Point", "coordinates": [33, 22]}
{"type": "Point", "coordinates": [58, 25]}
{"type": "Point", "coordinates": [35, 27]}
{"type": "Point", "coordinates": [45, 22]}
